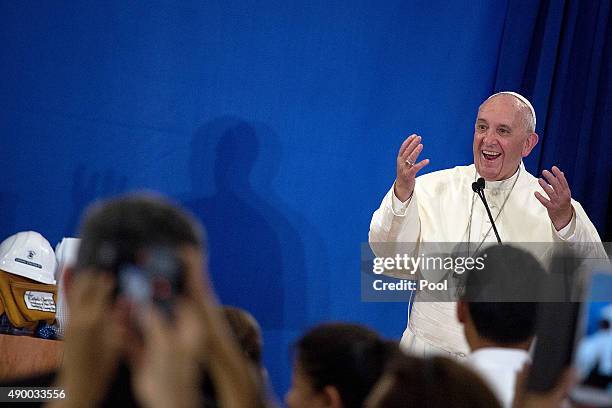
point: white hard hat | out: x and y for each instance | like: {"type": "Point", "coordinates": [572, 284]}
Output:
{"type": "Point", "coordinates": [30, 255]}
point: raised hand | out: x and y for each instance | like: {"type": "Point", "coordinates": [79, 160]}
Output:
{"type": "Point", "coordinates": [168, 371]}
{"type": "Point", "coordinates": [93, 339]}
{"type": "Point", "coordinates": [559, 202]}
{"type": "Point", "coordinates": [407, 166]}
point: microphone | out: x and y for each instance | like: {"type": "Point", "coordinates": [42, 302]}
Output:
{"type": "Point", "coordinates": [478, 187]}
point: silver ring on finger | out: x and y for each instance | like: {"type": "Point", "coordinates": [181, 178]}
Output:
{"type": "Point", "coordinates": [409, 163]}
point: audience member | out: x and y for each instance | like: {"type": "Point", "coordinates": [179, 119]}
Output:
{"type": "Point", "coordinates": [120, 352]}
{"type": "Point", "coordinates": [336, 365]}
{"type": "Point", "coordinates": [499, 332]}
{"type": "Point", "coordinates": [247, 332]}
{"type": "Point", "coordinates": [433, 382]}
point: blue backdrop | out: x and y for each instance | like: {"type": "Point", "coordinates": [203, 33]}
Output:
{"type": "Point", "coordinates": [277, 123]}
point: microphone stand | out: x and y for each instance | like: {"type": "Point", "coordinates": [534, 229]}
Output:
{"type": "Point", "coordinates": [478, 187]}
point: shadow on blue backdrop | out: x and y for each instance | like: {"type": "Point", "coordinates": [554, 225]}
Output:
{"type": "Point", "coordinates": [255, 242]}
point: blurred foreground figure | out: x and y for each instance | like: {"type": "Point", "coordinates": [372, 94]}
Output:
{"type": "Point", "coordinates": [246, 330]}
{"type": "Point", "coordinates": [498, 330]}
{"type": "Point", "coordinates": [336, 365]}
{"type": "Point", "coordinates": [144, 323]}
{"type": "Point", "coordinates": [434, 382]}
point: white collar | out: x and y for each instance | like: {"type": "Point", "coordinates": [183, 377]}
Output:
{"type": "Point", "coordinates": [503, 356]}
{"type": "Point", "coordinates": [503, 184]}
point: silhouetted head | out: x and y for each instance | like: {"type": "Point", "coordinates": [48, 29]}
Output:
{"type": "Point", "coordinates": [434, 382]}
{"type": "Point", "coordinates": [247, 332]}
{"type": "Point", "coordinates": [336, 365]}
{"type": "Point", "coordinates": [500, 302]}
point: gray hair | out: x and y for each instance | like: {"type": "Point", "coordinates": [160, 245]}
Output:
{"type": "Point", "coordinates": [530, 119]}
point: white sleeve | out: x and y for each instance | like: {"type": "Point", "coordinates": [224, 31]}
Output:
{"type": "Point", "coordinates": [567, 233]}
{"type": "Point", "coordinates": [391, 228]}
{"type": "Point", "coordinates": [399, 207]}
{"type": "Point", "coordinates": [395, 223]}
{"type": "Point", "coordinates": [581, 230]}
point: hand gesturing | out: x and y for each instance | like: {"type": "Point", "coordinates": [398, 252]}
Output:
{"type": "Point", "coordinates": [559, 202]}
{"type": "Point", "coordinates": [407, 167]}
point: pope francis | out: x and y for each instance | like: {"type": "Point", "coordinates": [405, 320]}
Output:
{"type": "Point", "coordinates": [441, 207]}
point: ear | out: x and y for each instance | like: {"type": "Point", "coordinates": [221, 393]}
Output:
{"type": "Point", "coordinates": [530, 143]}
{"type": "Point", "coordinates": [462, 311]}
{"type": "Point", "coordinates": [332, 397]}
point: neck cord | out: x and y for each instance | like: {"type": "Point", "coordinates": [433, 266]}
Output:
{"type": "Point", "coordinates": [496, 217]}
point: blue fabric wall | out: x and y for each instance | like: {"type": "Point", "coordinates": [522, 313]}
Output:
{"type": "Point", "coordinates": [558, 53]}
{"type": "Point", "coordinates": [277, 123]}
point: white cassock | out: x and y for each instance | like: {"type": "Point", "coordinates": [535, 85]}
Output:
{"type": "Point", "coordinates": [443, 208]}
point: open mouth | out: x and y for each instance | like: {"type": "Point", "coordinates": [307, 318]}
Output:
{"type": "Point", "coordinates": [489, 155]}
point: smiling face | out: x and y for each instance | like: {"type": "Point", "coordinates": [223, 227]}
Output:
{"type": "Point", "coordinates": [502, 137]}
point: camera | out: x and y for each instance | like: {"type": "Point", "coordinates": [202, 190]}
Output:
{"type": "Point", "coordinates": [157, 278]}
